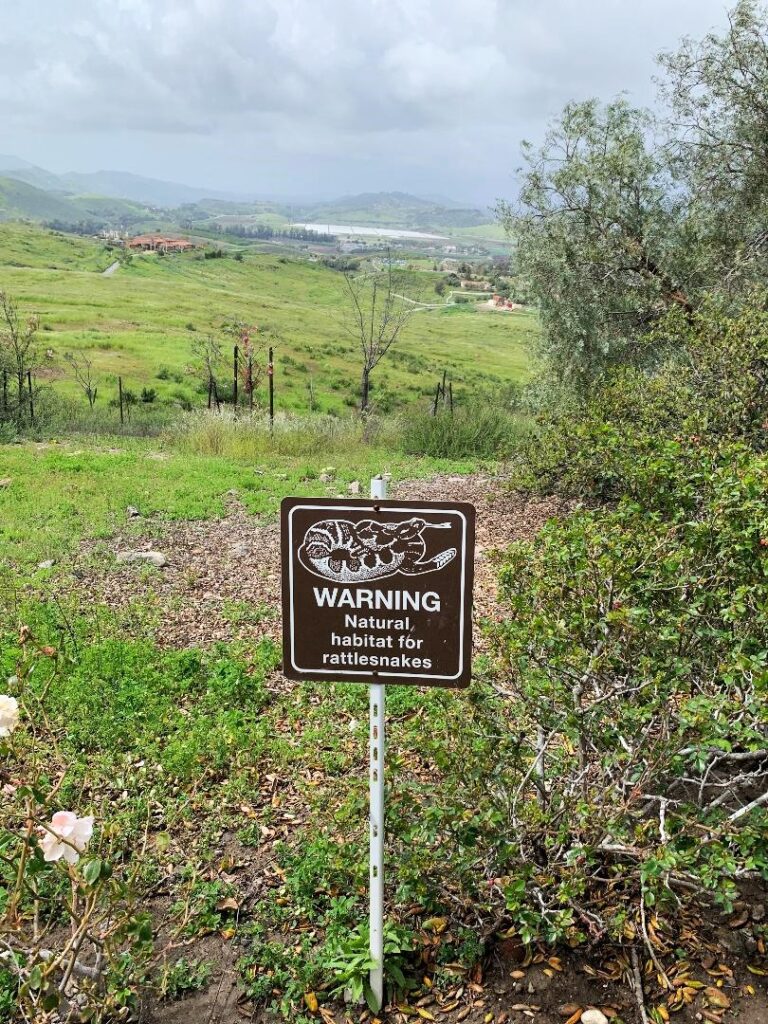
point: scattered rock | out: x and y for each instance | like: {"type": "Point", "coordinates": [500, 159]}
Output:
{"type": "Point", "coordinates": [593, 1017]}
{"type": "Point", "coordinates": [156, 558]}
{"type": "Point", "coordinates": [47, 564]}
{"type": "Point", "coordinates": [325, 478]}
{"type": "Point", "coordinates": [241, 551]}
{"type": "Point", "coordinates": [132, 512]}
{"type": "Point", "coordinates": [5, 481]}
{"type": "Point", "coordinates": [758, 912]}
{"type": "Point", "coordinates": [354, 487]}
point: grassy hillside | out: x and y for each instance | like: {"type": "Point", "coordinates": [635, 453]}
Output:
{"type": "Point", "coordinates": [388, 209]}
{"type": "Point", "coordinates": [19, 199]}
{"type": "Point", "coordinates": [143, 321]}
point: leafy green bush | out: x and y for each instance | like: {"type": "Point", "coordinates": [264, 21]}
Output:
{"type": "Point", "coordinates": [632, 635]}
{"type": "Point", "coordinates": [709, 385]}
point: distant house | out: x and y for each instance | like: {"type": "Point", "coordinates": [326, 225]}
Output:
{"type": "Point", "coordinates": [501, 302]}
{"type": "Point", "coordinates": [160, 243]}
{"type": "Point", "coordinates": [476, 286]}
{"type": "Point", "coordinates": [448, 266]}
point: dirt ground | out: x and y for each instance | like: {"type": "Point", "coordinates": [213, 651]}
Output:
{"type": "Point", "coordinates": [222, 582]}
{"type": "Point", "coordinates": [217, 567]}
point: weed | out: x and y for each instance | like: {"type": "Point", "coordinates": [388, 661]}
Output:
{"type": "Point", "coordinates": [183, 976]}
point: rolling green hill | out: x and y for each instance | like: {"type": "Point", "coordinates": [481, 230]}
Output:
{"type": "Point", "coordinates": [143, 322]}
{"type": "Point", "coordinates": [184, 203]}
{"type": "Point", "coordinates": [19, 199]}
{"type": "Point", "coordinates": [388, 209]}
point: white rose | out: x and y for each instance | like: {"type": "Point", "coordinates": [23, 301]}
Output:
{"type": "Point", "coordinates": [66, 836]}
{"type": "Point", "coordinates": [9, 715]}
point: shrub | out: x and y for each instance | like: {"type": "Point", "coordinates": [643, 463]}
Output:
{"type": "Point", "coordinates": [631, 635]}
{"type": "Point", "coordinates": [482, 431]}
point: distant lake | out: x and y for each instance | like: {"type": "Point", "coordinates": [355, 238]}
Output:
{"type": "Point", "coordinates": [350, 229]}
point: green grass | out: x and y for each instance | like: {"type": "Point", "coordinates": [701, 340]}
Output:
{"type": "Point", "coordinates": [62, 493]}
{"type": "Point", "coordinates": [142, 321]}
{"type": "Point", "coordinates": [177, 748]}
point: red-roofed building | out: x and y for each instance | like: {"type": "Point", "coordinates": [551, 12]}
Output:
{"type": "Point", "coordinates": [160, 243]}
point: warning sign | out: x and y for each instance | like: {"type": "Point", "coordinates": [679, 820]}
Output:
{"type": "Point", "coordinates": [378, 591]}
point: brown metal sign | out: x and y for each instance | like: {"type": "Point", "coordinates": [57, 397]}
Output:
{"type": "Point", "coordinates": [378, 591]}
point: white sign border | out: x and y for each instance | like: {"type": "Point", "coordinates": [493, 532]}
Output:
{"type": "Point", "coordinates": [336, 672]}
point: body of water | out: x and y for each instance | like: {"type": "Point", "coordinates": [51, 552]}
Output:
{"type": "Point", "coordinates": [350, 229]}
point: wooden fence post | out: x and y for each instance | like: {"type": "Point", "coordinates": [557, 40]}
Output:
{"type": "Point", "coordinates": [437, 399]}
{"type": "Point", "coordinates": [31, 397]}
{"type": "Point", "coordinates": [120, 398]}
{"type": "Point", "coordinates": [210, 391]}
{"type": "Point", "coordinates": [450, 396]}
{"type": "Point", "coordinates": [5, 392]}
{"type": "Point", "coordinates": [235, 354]}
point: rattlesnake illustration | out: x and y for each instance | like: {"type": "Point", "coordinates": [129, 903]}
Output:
{"type": "Point", "coordinates": [355, 552]}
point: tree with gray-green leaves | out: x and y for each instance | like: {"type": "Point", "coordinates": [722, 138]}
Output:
{"type": "Point", "coordinates": [599, 227]}
{"type": "Point", "coordinates": [717, 93]}
{"type": "Point", "coordinates": [623, 216]}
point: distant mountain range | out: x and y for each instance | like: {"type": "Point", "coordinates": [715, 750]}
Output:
{"type": "Point", "coordinates": [117, 198]}
{"type": "Point", "coordinates": [118, 184]}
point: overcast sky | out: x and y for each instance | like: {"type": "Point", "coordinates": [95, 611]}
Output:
{"type": "Point", "coordinates": [319, 97]}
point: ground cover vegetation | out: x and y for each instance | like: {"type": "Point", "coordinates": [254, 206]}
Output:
{"type": "Point", "coordinates": [147, 322]}
{"type": "Point", "coordinates": [602, 785]}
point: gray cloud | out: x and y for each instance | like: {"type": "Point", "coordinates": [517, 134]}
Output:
{"type": "Point", "coordinates": [431, 95]}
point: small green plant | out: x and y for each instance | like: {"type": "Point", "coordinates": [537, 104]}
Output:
{"type": "Point", "coordinates": [183, 976]}
{"type": "Point", "coordinates": [243, 613]}
{"type": "Point", "coordinates": [204, 909]}
{"type": "Point", "coordinates": [349, 961]}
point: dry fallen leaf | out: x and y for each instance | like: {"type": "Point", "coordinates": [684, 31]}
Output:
{"type": "Point", "coordinates": [311, 1000]}
{"type": "Point", "coordinates": [435, 924]}
{"type": "Point", "coordinates": [716, 997]}
{"type": "Point", "coordinates": [739, 920]}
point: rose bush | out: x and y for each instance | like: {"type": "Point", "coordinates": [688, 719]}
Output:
{"type": "Point", "coordinates": [88, 969]}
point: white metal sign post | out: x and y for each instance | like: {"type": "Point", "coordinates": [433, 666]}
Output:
{"type": "Point", "coordinates": [376, 592]}
{"type": "Point", "coordinates": [376, 799]}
